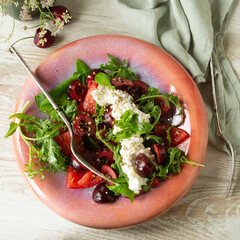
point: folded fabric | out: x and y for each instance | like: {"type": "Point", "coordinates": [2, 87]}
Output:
{"type": "Point", "coordinates": [192, 31]}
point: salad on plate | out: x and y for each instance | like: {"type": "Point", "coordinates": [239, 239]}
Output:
{"type": "Point", "coordinates": [123, 127]}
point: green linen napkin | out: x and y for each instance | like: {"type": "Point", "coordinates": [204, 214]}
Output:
{"type": "Point", "coordinates": [192, 31]}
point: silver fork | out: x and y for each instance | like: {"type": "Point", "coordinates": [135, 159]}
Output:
{"type": "Point", "coordinates": [63, 117]}
{"type": "Point", "coordinates": [215, 109]}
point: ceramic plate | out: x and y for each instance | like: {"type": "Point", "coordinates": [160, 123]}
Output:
{"type": "Point", "coordinates": [158, 69]}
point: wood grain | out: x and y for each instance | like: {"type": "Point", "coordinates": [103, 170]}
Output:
{"type": "Point", "coordinates": [204, 213]}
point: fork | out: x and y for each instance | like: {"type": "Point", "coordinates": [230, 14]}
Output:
{"type": "Point", "coordinates": [215, 109]}
{"type": "Point", "coordinates": [63, 117]}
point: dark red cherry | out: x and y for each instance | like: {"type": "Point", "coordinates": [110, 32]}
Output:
{"type": "Point", "coordinates": [143, 166]}
{"type": "Point", "coordinates": [103, 157]}
{"type": "Point", "coordinates": [121, 83]}
{"type": "Point", "coordinates": [162, 104]}
{"type": "Point", "coordinates": [108, 119]}
{"type": "Point", "coordinates": [44, 40]}
{"type": "Point", "coordinates": [109, 172]}
{"type": "Point", "coordinates": [103, 128]}
{"type": "Point", "coordinates": [102, 194]}
{"type": "Point", "coordinates": [160, 153]}
{"type": "Point", "coordinates": [91, 76]}
{"type": "Point", "coordinates": [76, 91]}
{"type": "Point", "coordinates": [83, 124]}
{"type": "Point", "coordinates": [172, 117]}
{"type": "Point", "coordinates": [76, 165]}
{"type": "Point", "coordinates": [59, 12]}
{"type": "Point", "coordinates": [138, 89]}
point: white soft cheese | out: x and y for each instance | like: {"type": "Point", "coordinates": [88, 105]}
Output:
{"type": "Point", "coordinates": [120, 102]}
{"type": "Point", "coordinates": [130, 149]}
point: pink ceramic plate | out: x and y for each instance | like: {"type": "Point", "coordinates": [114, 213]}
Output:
{"type": "Point", "coordinates": [159, 70]}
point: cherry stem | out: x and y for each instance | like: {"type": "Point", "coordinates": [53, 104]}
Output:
{"type": "Point", "coordinates": [19, 41]}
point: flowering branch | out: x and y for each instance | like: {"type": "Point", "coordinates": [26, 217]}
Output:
{"type": "Point", "coordinates": [51, 19]}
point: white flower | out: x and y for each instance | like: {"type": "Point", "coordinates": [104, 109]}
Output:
{"type": "Point", "coordinates": [42, 33]}
{"type": "Point", "coordinates": [47, 3]}
{"type": "Point", "coordinates": [42, 41]}
{"type": "Point", "coordinates": [66, 17]}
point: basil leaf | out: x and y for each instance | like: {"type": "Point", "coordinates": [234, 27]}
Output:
{"type": "Point", "coordinates": [60, 97]}
{"type": "Point", "coordinates": [81, 67]}
{"type": "Point", "coordinates": [103, 79]}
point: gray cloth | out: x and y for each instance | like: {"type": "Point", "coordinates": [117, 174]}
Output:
{"type": "Point", "coordinates": [192, 31]}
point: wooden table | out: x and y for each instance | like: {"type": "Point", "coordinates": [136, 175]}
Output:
{"type": "Point", "coordinates": [204, 213]}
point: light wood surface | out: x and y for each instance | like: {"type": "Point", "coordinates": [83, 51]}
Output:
{"type": "Point", "coordinates": [204, 213]}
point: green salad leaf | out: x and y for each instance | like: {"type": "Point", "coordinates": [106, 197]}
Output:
{"type": "Point", "coordinates": [123, 190]}
{"type": "Point", "coordinates": [103, 79]}
{"type": "Point", "coordinates": [60, 97]}
{"type": "Point", "coordinates": [46, 155]}
{"type": "Point", "coordinates": [147, 105]}
{"type": "Point", "coordinates": [45, 148]}
{"type": "Point", "coordinates": [130, 126]}
{"type": "Point", "coordinates": [114, 68]}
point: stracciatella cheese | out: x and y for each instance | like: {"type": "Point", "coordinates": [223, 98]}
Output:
{"type": "Point", "coordinates": [130, 149]}
{"type": "Point", "coordinates": [120, 102]}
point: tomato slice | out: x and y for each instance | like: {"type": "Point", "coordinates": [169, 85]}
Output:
{"type": "Point", "coordinates": [155, 182]}
{"type": "Point", "coordinates": [177, 135]}
{"type": "Point", "coordinates": [63, 140]}
{"type": "Point", "coordinates": [81, 179]}
{"type": "Point", "coordinates": [89, 104]}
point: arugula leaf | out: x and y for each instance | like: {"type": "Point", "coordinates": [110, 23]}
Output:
{"type": "Point", "coordinates": [114, 68]}
{"type": "Point", "coordinates": [45, 147]}
{"type": "Point", "coordinates": [122, 189]}
{"type": "Point", "coordinates": [152, 91]}
{"type": "Point", "coordinates": [69, 107]}
{"type": "Point", "coordinates": [118, 159]}
{"type": "Point", "coordinates": [146, 102]}
{"type": "Point", "coordinates": [50, 152]}
{"type": "Point", "coordinates": [150, 139]}
{"type": "Point", "coordinates": [103, 79]}
{"type": "Point", "coordinates": [155, 115]}
{"type": "Point", "coordinates": [169, 136]}
{"type": "Point", "coordinates": [114, 61]}
{"type": "Point", "coordinates": [98, 115]}
{"type": "Point", "coordinates": [12, 129]}
{"type": "Point", "coordinates": [130, 125]}
{"type": "Point", "coordinates": [173, 165]}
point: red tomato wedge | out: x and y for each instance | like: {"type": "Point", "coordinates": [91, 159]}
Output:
{"type": "Point", "coordinates": [155, 182]}
{"type": "Point", "coordinates": [89, 104]}
{"type": "Point", "coordinates": [177, 135]}
{"type": "Point", "coordinates": [81, 179]}
{"type": "Point", "coordinates": [63, 140]}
